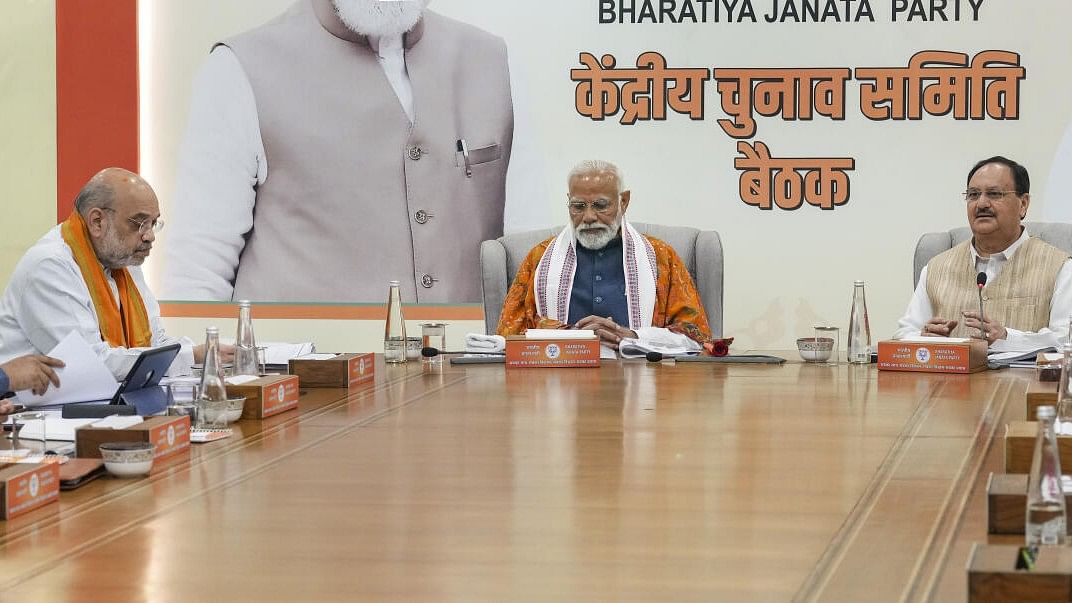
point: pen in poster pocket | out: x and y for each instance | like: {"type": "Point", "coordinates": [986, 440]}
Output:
{"type": "Point", "coordinates": [463, 148]}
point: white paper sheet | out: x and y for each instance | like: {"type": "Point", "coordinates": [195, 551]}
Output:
{"type": "Point", "coordinates": [280, 353]}
{"type": "Point", "coordinates": [560, 334]}
{"type": "Point", "coordinates": [84, 378]}
{"type": "Point", "coordinates": [935, 340]}
{"type": "Point", "coordinates": [240, 379]}
{"type": "Point", "coordinates": [315, 357]}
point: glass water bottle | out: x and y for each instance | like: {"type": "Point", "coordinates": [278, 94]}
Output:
{"type": "Point", "coordinates": [859, 350]}
{"type": "Point", "coordinates": [394, 333]}
{"type": "Point", "coordinates": [245, 362]}
{"type": "Point", "coordinates": [1046, 522]}
{"type": "Point", "coordinates": [212, 384]}
{"type": "Point", "coordinates": [1064, 390]}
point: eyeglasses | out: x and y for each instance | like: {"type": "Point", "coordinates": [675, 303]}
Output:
{"type": "Point", "coordinates": [972, 195]}
{"type": "Point", "coordinates": [600, 206]}
{"type": "Point", "coordinates": [143, 226]}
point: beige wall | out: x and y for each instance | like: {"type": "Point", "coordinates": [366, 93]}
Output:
{"type": "Point", "coordinates": [27, 126]}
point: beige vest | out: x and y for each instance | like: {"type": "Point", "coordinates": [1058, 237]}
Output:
{"type": "Point", "coordinates": [1019, 298]}
{"type": "Point", "coordinates": [356, 195]}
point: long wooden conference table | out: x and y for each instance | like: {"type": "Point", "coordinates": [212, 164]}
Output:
{"type": "Point", "coordinates": [633, 481]}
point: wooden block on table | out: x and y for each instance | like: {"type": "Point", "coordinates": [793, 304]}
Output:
{"type": "Point", "coordinates": [268, 395]}
{"type": "Point", "coordinates": [27, 486]}
{"type": "Point", "coordinates": [344, 370]}
{"type": "Point", "coordinates": [993, 577]}
{"type": "Point", "coordinates": [566, 352]}
{"type": "Point", "coordinates": [171, 435]}
{"type": "Point", "coordinates": [937, 357]}
{"type": "Point", "coordinates": [1040, 393]}
{"type": "Point", "coordinates": [1006, 502]}
{"type": "Point", "coordinates": [1020, 447]}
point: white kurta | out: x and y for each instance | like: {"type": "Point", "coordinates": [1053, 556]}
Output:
{"type": "Point", "coordinates": [222, 161]}
{"type": "Point", "coordinates": [47, 298]}
{"type": "Point", "coordinates": [1053, 335]}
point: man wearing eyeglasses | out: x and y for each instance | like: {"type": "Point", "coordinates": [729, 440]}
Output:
{"type": "Point", "coordinates": [599, 273]}
{"type": "Point", "coordinates": [84, 276]}
{"type": "Point", "coordinates": [1028, 292]}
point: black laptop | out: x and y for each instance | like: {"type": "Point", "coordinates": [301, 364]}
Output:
{"type": "Point", "coordinates": [139, 393]}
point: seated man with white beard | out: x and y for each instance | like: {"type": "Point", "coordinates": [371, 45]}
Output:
{"type": "Point", "coordinates": [84, 276]}
{"type": "Point", "coordinates": [599, 273]}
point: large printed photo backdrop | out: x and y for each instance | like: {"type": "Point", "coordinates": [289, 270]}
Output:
{"type": "Point", "coordinates": [819, 138]}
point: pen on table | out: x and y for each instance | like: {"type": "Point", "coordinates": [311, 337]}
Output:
{"type": "Point", "coordinates": [463, 148]}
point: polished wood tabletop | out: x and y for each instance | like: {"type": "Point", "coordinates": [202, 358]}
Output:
{"type": "Point", "coordinates": [632, 481]}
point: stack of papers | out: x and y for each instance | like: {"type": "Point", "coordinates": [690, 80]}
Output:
{"type": "Point", "coordinates": [636, 348]}
{"type": "Point", "coordinates": [1015, 359]}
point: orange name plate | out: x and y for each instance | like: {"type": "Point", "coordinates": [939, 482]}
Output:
{"type": "Point", "coordinates": [170, 434]}
{"type": "Point", "coordinates": [25, 487]}
{"type": "Point", "coordinates": [937, 357]}
{"type": "Point", "coordinates": [522, 352]}
{"type": "Point", "coordinates": [267, 396]}
{"type": "Point", "coordinates": [344, 370]}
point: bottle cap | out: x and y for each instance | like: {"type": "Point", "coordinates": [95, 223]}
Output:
{"type": "Point", "coordinates": [1045, 412]}
{"type": "Point", "coordinates": [858, 283]}
{"type": "Point", "coordinates": [210, 330]}
{"type": "Point", "coordinates": [243, 303]}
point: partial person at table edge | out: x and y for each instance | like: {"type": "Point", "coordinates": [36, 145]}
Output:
{"type": "Point", "coordinates": [1028, 291]}
{"type": "Point", "coordinates": [34, 372]}
{"type": "Point", "coordinates": [600, 273]}
{"type": "Point", "coordinates": [84, 276]}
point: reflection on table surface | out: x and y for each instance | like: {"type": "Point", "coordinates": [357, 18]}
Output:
{"type": "Point", "coordinates": [631, 481]}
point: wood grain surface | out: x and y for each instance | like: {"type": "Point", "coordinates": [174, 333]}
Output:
{"type": "Point", "coordinates": [633, 481]}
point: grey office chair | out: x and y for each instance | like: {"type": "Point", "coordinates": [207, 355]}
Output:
{"type": "Point", "coordinates": [931, 244]}
{"type": "Point", "coordinates": [701, 250]}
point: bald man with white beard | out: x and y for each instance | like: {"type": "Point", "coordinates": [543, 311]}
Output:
{"type": "Point", "coordinates": [343, 144]}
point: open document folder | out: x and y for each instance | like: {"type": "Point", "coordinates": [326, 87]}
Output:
{"type": "Point", "coordinates": [85, 377]}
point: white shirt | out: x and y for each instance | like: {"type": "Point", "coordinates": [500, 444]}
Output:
{"type": "Point", "coordinates": [47, 298]}
{"type": "Point", "coordinates": [1053, 335]}
{"type": "Point", "coordinates": [222, 161]}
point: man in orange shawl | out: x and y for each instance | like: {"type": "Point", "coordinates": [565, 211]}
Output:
{"type": "Point", "coordinates": [84, 275]}
{"type": "Point", "coordinates": [599, 273]}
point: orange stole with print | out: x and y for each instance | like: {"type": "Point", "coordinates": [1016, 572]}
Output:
{"type": "Point", "coordinates": [125, 325]}
{"type": "Point", "coordinates": [677, 303]}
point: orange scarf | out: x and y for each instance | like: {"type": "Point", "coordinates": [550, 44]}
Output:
{"type": "Point", "coordinates": [125, 326]}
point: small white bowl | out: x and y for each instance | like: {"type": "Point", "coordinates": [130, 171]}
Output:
{"type": "Point", "coordinates": [218, 414]}
{"type": "Point", "coordinates": [815, 350]}
{"type": "Point", "coordinates": [128, 459]}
